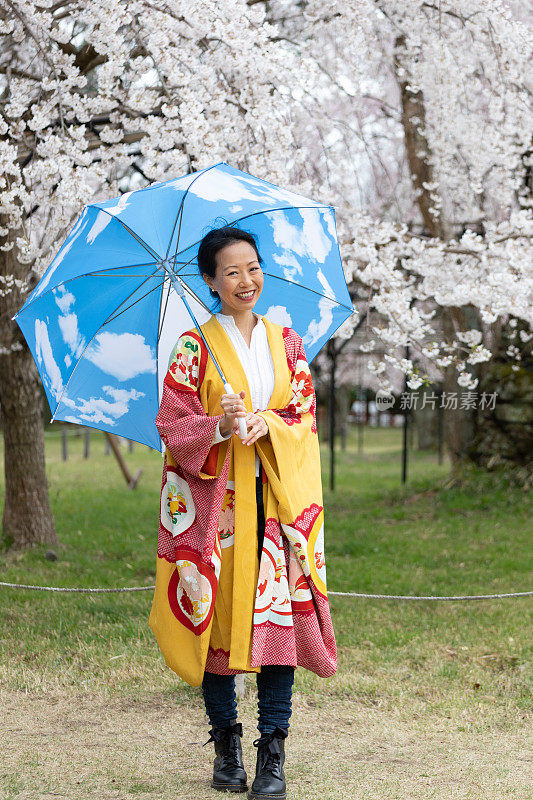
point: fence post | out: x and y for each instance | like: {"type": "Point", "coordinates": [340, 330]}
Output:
{"type": "Point", "coordinates": [240, 686]}
{"type": "Point", "coordinates": [114, 444]}
{"type": "Point", "coordinates": [363, 418]}
{"type": "Point", "coordinates": [332, 367]}
{"type": "Point", "coordinates": [405, 432]}
{"type": "Point", "coordinates": [86, 443]}
{"type": "Point", "coordinates": [440, 419]}
{"type": "Point", "coordinates": [64, 434]}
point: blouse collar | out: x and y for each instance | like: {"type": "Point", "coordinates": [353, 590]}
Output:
{"type": "Point", "coordinates": [229, 321]}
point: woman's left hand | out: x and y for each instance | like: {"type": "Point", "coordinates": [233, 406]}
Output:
{"type": "Point", "coordinates": [257, 427]}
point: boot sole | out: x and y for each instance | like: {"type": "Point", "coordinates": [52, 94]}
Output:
{"type": "Point", "coordinates": [224, 787]}
{"type": "Point", "coordinates": [254, 796]}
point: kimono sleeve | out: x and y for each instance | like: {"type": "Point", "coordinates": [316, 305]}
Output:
{"type": "Point", "coordinates": [183, 425]}
{"type": "Point", "coordinates": [301, 408]}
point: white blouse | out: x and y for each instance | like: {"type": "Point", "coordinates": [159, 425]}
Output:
{"type": "Point", "coordinates": [257, 363]}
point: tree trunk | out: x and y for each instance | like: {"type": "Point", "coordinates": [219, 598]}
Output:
{"type": "Point", "coordinates": [459, 423]}
{"type": "Point", "coordinates": [343, 399]}
{"type": "Point", "coordinates": [504, 433]}
{"type": "Point", "coordinates": [417, 149]}
{"type": "Point", "coordinates": [27, 517]}
{"type": "Point", "coordinates": [425, 421]}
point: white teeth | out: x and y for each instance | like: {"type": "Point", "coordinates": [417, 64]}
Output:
{"type": "Point", "coordinates": [245, 295]}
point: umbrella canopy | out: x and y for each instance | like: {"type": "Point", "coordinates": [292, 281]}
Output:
{"type": "Point", "coordinates": [102, 321]}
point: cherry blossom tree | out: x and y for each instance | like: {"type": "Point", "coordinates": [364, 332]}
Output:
{"type": "Point", "coordinates": [96, 98]}
{"type": "Point", "coordinates": [422, 139]}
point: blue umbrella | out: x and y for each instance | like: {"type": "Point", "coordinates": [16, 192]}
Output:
{"type": "Point", "coordinates": [103, 320]}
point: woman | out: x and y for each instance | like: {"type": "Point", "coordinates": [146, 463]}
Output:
{"type": "Point", "coordinates": [241, 583]}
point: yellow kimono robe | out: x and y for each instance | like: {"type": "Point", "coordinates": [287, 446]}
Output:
{"type": "Point", "coordinates": [215, 606]}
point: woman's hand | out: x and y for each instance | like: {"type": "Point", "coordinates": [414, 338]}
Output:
{"type": "Point", "coordinates": [233, 407]}
{"type": "Point", "coordinates": [257, 427]}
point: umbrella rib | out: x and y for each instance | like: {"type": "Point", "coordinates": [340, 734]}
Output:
{"type": "Point", "coordinates": [127, 228]}
{"type": "Point", "coordinates": [89, 342]}
{"type": "Point", "coordinates": [94, 272]}
{"type": "Point", "coordinates": [286, 280]}
{"type": "Point", "coordinates": [123, 310]}
{"type": "Point", "coordinates": [179, 216]}
{"type": "Point", "coordinates": [159, 329]}
{"type": "Point", "coordinates": [307, 289]}
{"type": "Point", "coordinates": [255, 214]}
{"type": "Point", "coordinates": [162, 320]}
{"type": "Point", "coordinates": [186, 264]}
{"type": "Point", "coordinates": [157, 347]}
{"type": "Point", "coordinates": [192, 294]}
{"type": "Point", "coordinates": [160, 323]}
{"type": "Point", "coordinates": [196, 297]}
{"type": "Point", "coordinates": [180, 210]}
{"type": "Point", "coordinates": [138, 275]}
{"type": "Point", "coordinates": [181, 220]}
{"type": "Point", "coordinates": [269, 210]}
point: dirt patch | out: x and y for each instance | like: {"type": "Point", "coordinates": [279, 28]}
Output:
{"type": "Point", "coordinates": [84, 746]}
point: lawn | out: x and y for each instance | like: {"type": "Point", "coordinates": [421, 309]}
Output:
{"type": "Point", "coordinates": [431, 699]}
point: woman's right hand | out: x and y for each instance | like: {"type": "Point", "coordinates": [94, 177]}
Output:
{"type": "Point", "coordinates": [233, 408]}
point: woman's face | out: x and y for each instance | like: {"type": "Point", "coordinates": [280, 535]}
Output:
{"type": "Point", "coordinates": [238, 279]}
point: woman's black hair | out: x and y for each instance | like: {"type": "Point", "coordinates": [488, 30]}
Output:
{"type": "Point", "coordinates": [216, 240]}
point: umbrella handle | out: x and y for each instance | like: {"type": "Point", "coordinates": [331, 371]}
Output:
{"type": "Point", "coordinates": [241, 421]}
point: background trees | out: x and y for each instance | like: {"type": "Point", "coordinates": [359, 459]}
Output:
{"type": "Point", "coordinates": [426, 148]}
{"type": "Point", "coordinates": [96, 98]}
{"type": "Point", "coordinates": [412, 118]}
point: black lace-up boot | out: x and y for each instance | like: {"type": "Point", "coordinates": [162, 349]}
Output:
{"type": "Point", "coordinates": [269, 781]}
{"type": "Point", "coordinates": [228, 770]}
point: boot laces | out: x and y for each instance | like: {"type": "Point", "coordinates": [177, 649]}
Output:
{"type": "Point", "coordinates": [272, 762]}
{"type": "Point", "coordinates": [232, 753]}
{"type": "Point", "coordinates": [270, 742]}
{"type": "Point", "coordinates": [230, 734]}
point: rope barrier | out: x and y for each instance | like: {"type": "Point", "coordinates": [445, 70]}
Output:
{"type": "Point", "coordinates": [65, 589]}
{"type": "Point", "coordinates": [433, 597]}
{"type": "Point", "coordinates": [339, 594]}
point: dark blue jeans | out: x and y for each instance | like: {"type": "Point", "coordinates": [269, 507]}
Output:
{"type": "Point", "coordinates": [274, 688]}
{"type": "Point", "coordinates": [274, 683]}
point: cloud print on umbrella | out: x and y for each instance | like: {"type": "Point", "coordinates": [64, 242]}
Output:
{"type": "Point", "coordinates": [105, 217]}
{"type": "Point", "coordinates": [123, 355]}
{"type": "Point", "coordinates": [308, 240]}
{"type": "Point", "coordinates": [99, 409]}
{"type": "Point", "coordinates": [216, 185]}
{"type": "Point", "coordinates": [51, 375]}
{"type": "Point", "coordinates": [69, 242]}
{"type": "Point", "coordinates": [289, 264]}
{"type": "Point", "coordinates": [279, 315]}
{"type": "Point", "coordinates": [319, 327]}
{"type": "Point", "coordinates": [68, 324]}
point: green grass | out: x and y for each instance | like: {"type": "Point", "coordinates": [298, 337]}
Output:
{"type": "Point", "coordinates": [468, 660]}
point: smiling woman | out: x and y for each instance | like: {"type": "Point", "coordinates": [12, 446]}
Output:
{"type": "Point", "coordinates": [230, 264]}
{"type": "Point", "coordinates": [241, 574]}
